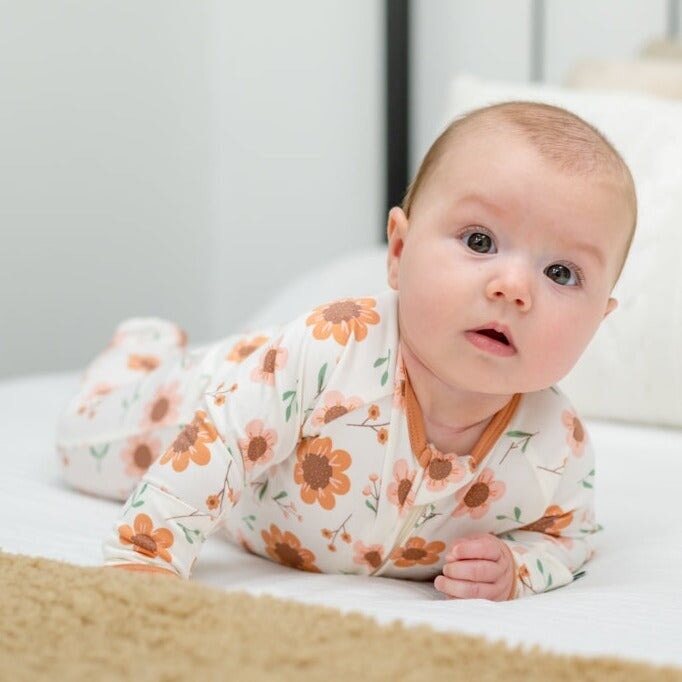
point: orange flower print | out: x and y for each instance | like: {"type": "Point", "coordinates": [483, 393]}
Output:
{"type": "Point", "coordinates": [93, 398]}
{"type": "Point", "coordinates": [475, 498]}
{"type": "Point", "coordinates": [319, 471]}
{"type": "Point", "coordinates": [273, 359]}
{"type": "Point", "coordinates": [401, 491]}
{"type": "Point", "coordinates": [371, 556]}
{"type": "Point", "coordinates": [139, 453]}
{"type": "Point", "coordinates": [400, 384]}
{"type": "Point", "coordinates": [212, 502]}
{"type": "Point", "coordinates": [417, 551]}
{"type": "Point", "coordinates": [382, 436]}
{"type": "Point", "coordinates": [335, 406]}
{"type": "Point", "coordinates": [442, 470]}
{"type": "Point", "coordinates": [285, 548]}
{"type": "Point", "coordinates": [143, 363]}
{"type": "Point", "coordinates": [164, 407]}
{"type": "Point", "coordinates": [258, 446]}
{"type": "Point", "coordinates": [552, 524]}
{"type": "Point", "coordinates": [220, 393]}
{"type": "Point", "coordinates": [190, 444]}
{"type": "Point", "coordinates": [244, 542]}
{"type": "Point", "coordinates": [343, 318]}
{"type": "Point", "coordinates": [244, 347]}
{"type": "Point", "coordinates": [146, 540]}
{"type": "Point", "coordinates": [576, 436]}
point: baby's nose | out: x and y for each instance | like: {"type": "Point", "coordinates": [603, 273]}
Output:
{"type": "Point", "coordinates": [512, 288]}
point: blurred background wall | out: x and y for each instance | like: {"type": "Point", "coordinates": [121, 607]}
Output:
{"type": "Point", "coordinates": [187, 158]}
{"type": "Point", "coordinates": [180, 158]}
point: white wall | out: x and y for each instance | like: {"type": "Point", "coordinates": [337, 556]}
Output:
{"type": "Point", "coordinates": [299, 120]}
{"type": "Point", "coordinates": [491, 39]}
{"type": "Point", "coordinates": [177, 158]}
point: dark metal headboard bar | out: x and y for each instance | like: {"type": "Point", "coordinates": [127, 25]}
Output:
{"type": "Point", "coordinates": [537, 40]}
{"type": "Point", "coordinates": [397, 100]}
{"type": "Point", "coordinates": [673, 19]}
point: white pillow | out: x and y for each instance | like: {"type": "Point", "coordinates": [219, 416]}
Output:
{"type": "Point", "coordinates": [633, 369]}
{"type": "Point", "coordinates": [660, 77]}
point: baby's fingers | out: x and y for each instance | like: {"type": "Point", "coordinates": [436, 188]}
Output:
{"type": "Point", "coordinates": [474, 570]}
{"type": "Point", "coordinates": [476, 546]}
{"type": "Point", "coordinates": [466, 589]}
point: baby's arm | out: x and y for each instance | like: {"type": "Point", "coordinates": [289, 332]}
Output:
{"type": "Point", "coordinates": [535, 557]}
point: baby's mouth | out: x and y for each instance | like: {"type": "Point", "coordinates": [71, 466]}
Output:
{"type": "Point", "coordinates": [495, 335]}
{"type": "Point", "coordinates": [493, 338]}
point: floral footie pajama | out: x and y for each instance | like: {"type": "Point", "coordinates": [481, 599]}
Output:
{"type": "Point", "coordinates": [306, 445]}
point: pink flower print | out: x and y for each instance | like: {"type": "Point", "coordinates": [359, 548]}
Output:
{"type": "Point", "coordinates": [442, 470]}
{"type": "Point", "coordinates": [335, 406]}
{"type": "Point", "coordinates": [258, 446]}
{"type": "Point", "coordinates": [164, 407]}
{"type": "Point", "coordinates": [139, 454]}
{"type": "Point", "coordinates": [274, 358]}
{"type": "Point", "coordinates": [475, 498]}
{"type": "Point", "coordinates": [371, 556]}
{"type": "Point", "coordinates": [401, 490]}
{"type": "Point", "coordinates": [576, 436]}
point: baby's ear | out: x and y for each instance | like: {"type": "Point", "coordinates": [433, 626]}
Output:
{"type": "Point", "coordinates": [611, 305]}
{"type": "Point", "coordinates": [396, 230]}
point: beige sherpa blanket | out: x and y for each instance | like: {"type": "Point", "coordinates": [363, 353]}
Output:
{"type": "Point", "coordinates": [64, 622]}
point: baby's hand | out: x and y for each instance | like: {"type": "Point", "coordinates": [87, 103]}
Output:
{"type": "Point", "coordinates": [478, 566]}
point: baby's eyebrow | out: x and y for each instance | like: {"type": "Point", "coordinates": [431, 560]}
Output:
{"type": "Point", "coordinates": [480, 200]}
{"type": "Point", "coordinates": [588, 248]}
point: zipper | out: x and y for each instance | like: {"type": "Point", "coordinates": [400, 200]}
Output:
{"type": "Point", "coordinates": [407, 528]}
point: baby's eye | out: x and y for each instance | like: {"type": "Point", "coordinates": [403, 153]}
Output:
{"type": "Point", "coordinates": [562, 274]}
{"type": "Point", "coordinates": [480, 242]}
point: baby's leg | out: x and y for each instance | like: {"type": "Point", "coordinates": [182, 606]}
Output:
{"type": "Point", "coordinates": [134, 399]}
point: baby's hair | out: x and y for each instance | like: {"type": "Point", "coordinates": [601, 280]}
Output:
{"type": "Point", "coordinates": [566, 140]}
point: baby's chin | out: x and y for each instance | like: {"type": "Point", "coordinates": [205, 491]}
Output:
{"type": "Point", "coordinates": [509, 388]}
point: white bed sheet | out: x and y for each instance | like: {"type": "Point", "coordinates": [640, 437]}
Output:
{"type": "Point", "coordinates": [629, 604]}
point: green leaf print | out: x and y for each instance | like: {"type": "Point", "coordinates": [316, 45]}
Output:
{"type": "Point", "coordinates": [190, 534]}
{"type": "Point", "coordinates": [320, 378]}
{"type": "Point", "coordinates": [371, 506]}
{"type": "Point", "coordinates": [248, 520]}
{"type": "Point", "coordinates": [541, 568]}
{"type": "Point", "coordinates": [261, 492]}
{"type": "Point", "coordinates": [291, 397]}
{"type": "Point", "coordinates": [125, 404]}
{"type": "Point", "coordinates": [279, 496]}
{"type": "Point", "coordinates": [517, 513]}
{"type": "Point", "coordinates": [99, 455]}
{"type": "Point", "coordinates": [549, 581]}
{"type": "Point", "coordinates": [135, 500]}
{"type": "Point", "coordinates": [585, 483]}
{"type": "Point", "coordinates": [383, 361]}
{"type": "Point", "coordinates": [518, 434]}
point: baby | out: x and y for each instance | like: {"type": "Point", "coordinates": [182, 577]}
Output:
{"type": "Point", "coordinates": [414, 434]}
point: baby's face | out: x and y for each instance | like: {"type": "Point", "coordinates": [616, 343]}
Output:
{"type": "Point", "coordinates": [505, 266]}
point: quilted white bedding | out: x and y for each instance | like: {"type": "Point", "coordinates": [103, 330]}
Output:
{"type": "Point", "coordinates": [629, 603]}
